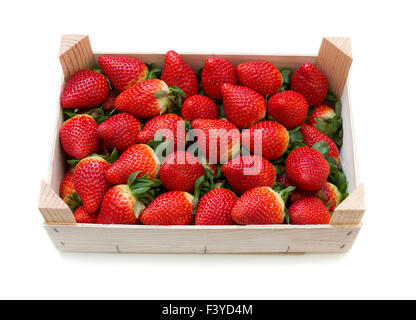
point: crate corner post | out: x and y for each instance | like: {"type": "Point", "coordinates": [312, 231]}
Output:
{"type": "Point", "coordinates": [351, 210]}
{"type": "Point", "coordinates": [75, 53]}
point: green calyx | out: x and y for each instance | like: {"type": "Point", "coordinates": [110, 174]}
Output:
{"type": "Point", "coordinates": [74, 201]}
{"type": "Point", "coordinates": [143, 188]}
{"type": "Point", "coordinates": [283, 192]}
{"type": "Point", "coordinates": [154, 72]}
{"type": "Point", "coordinates": [286, 73]}
{"type": "Point", "coordinates": [206, 183]}
{"type": "Point", "coordinates": [111, 159]}
{"type": "Point", "coordinates": [98, 114]}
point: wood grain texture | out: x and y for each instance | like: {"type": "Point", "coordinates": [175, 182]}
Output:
{"type": "Point", "coordinates": [196, 239]}
{"type": "Point", "coordinates": [53, 208]}
{"type": "Point", "coordinates": [352, 209]}
{"type": "Point", "coordinates": [334, 60]}
{"type": "Point", "coordinates": [75, 53]}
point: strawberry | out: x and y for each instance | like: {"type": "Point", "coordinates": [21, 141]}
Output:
{"type": "Point", "coordinates": [170, 208]}
{"type": "Point", "coordinates": [330, 196]}
{"type": "Point", "coordinates": [79, 136]}
{"type": "Point", "coordinates": [284, 180]}
{"type": "Point", "coordinates": [90, 183]}
{"type": "Point", "coordinates": [180, 170]}
{"type": "Point", "coordinates": [261, 205]}
{"type": "Point", "coordinates": [299, 194]}
{"type": "Point", "coordinates": [85, 89]}
{"type": "Point", "coordinates": [289, 108]}
{"type": "Point", "coordinates": [242, 106]}
{"type": "Point", "coordinates": [321, 111]}
{"type": "Point", "coordinates": [139, 157]}
{"type": "Point", "coordinates": [214, 208]}
{"type": "Point", "coordinates": [261, 76]}
{"type": "Point", "coordinates": [307, 169]}
{"type": "Point", "coordinates": [249, 171]}
{"type": "Point", "coordinates": [214, 74]}
{"type": "Point", "coordinates": [199, 107]}
{"type": "Point", "coordinates": [123, 72]}
{"type": "Point", "coordinates": [67, 191]}
{"type": "Point", "coordinates": [170, 125]}
{"type": "Point", "coordinates": [124, 203]}
{"type": "Point", "coordinates": [83, 216]}
{"type": "Point", "coordinates": [177, 73]}
{"type": "Point", "coordinates": [119, 131]}
{"type": "Point", "coordinates": [309, 81]}
{"type": "Point", "coordinates": [110, 101]}
{"type": "Point", "coordinates": [311, 135]}
{"type": "Point", "coordinates": [309, 210]}
{"type": "Point", "coordinates": [271, 136]}
{"type": "Point", "coordinates": [147, 99]}
{"type": "Point", "coordinates": [219, 140]}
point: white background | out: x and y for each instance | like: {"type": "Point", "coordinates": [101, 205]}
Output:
{"type": "Point", "coordinates": [382, 261]}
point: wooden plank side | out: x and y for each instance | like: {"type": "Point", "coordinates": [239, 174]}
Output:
{"type": "Point", "coordinates": [194, 239]}
{"type": "Point", "coordinates": [352, 209]}
{"type": "Point", "coordinates": [53, 208]}
{"type": "Point", "coordinates": [75, 53]}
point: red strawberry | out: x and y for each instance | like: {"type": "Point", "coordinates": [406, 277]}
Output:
{"type": "Point", "coordinates": [309, 210]}
{"type": "Point", "coordinates": [85, 89]}
{"type": "Point", "coordinates": [288, 108]}
{"type": "Point", "coordinates": [261, 76]}
{"type": "Point", "coordinates": [79, 136]}
{"type": "Point", "coordinates": [273, 137]}
{"type": "Point", "coordinates": [199, 107]}
{"type": "Point", "coordinates": [170, 125]}
{"type": "Point", "coordinates": [284, 180]}
{"type": "Point", "coordinates": [299, 194]}
{"type": "Point", "coordinates": [309, 81]}
{"type": "Point", "coordinates": [307, 169]}
{"type": "Point", "coordinates": [215, 73]}
{"type": "Point", "coordinates": [119, 131]}
{"type": "Point", "coordinates": [170, 208]}
{"type": "Point", "coordinates": [311, 135]}
{"type": "Point", "coordinates": [139, 157]}
{"type": "Point", "coordinates": [110, 101]}
{"type": "Point", "coordinates": [177, 73]}
{"type": "Point", "coordinates": [249, 171]}
{"type": "Point", "coordinates": [180, 170]}
{"type": "Point", "coordinates": [260, 205]}
{"type": "Point", "coordinates": [330, 196]}
{"type": "Point", "coordinates": [242, 106]}
{"type": "Point", "coordinates": [146, 99]}
{"type": "Point", "coordinates": [123, 72]}
{"type": "Point", "coordinates": [219, 140]}
{"type": "Point", "coordinates": [82, 216]}
{"type": "Point", "coordinates": [214, 208]}
{"type": "Point", "coordinates": [321, 111]}
{"type": "Point", "coordinates": [90, 183]}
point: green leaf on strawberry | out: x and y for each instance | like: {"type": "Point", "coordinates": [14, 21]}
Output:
{"type": "Point", "coordinates": [286, 72]}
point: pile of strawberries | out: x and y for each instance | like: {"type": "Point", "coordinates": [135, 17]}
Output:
{"type": "Point", "coordinates": [240, 145]}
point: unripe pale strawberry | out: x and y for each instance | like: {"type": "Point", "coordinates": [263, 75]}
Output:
{"type": "Point", "coordinates": [330, 196]}
{"type": "Point", "coordinates": [321, 111]}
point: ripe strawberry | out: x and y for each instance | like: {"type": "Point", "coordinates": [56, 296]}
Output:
{"type": "Point", "coordinates": [214, 208]}
{"type": "Point", "coordinates": [309, 210]}
{"type": "Point", "coordinates": [170, 208]}
{"type": "Point", "coordinates": [307, 169]}
{"type": "Point", "coordinates": [299, 194]}
{"type": "Point", "coordinates": [330, 196]}
{"type": "Point", "coordinates": [83, 216]}
{"type": "Point", "coordinates": [139, 157]}
{"type": "Point", "coordinates": [85, 89]}
{"type": "Point", "coordinates": [273, 137]}
{"type": "Point", "coordinates": [309, 81]}
{"type": "Point", "coordinates": [119, 131]}
{"type": "Point", "coordinates": [170, 125]}
{"type": "Point", "coordinates": [242, 106]}
{"type": "Point", "coordinates": [321, 111]}
{"type": "Point", "coordinates": [288, 108]}
{"type": "Point", "coordinates": [90, 183]}
{"type": "Point", "coordinates": [123, 72]}
{"type": "Point", "coordinates": [261, 76]}
{"type": "Point", "coordinates": [214, 74]}
{"type": "Point", "coordinates": [146, 99]}
{"type": "Point", "coordinates": [199, 107]}
{"type": "Point", "coordinates": [260, 205]}
{"type": "Point", "coordinates": [110, 101]}
{"type": "Point", "coordinates": [177, 73]}
{"type": "Point", "coordinates": [219, 140]}
{"type": "Point", "coordinates": [247, 172]}
{"type": "Point", "coordinates": [311, 135]}
{"type": "Point", "coordinates": [79, 136]}
{"type": "Point", "coordinates": [180, 170]}
{"type": "Point", "coordinates": [284, 180]}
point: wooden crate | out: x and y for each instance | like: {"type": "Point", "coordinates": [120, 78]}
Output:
{"type": "Point", "coordinates": [334, 59]}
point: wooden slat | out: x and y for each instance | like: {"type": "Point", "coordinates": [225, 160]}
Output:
{"type": "Point", "coordinates": [334, 60]}
{"type": "Point", "coordinates": [196, 239]}
{"type": "Point", "coordinates": [75, 54]}
{"type": "Point", "coordinates": [53, 208]}
{"type": "Point", "coordinates": [352, 209]}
